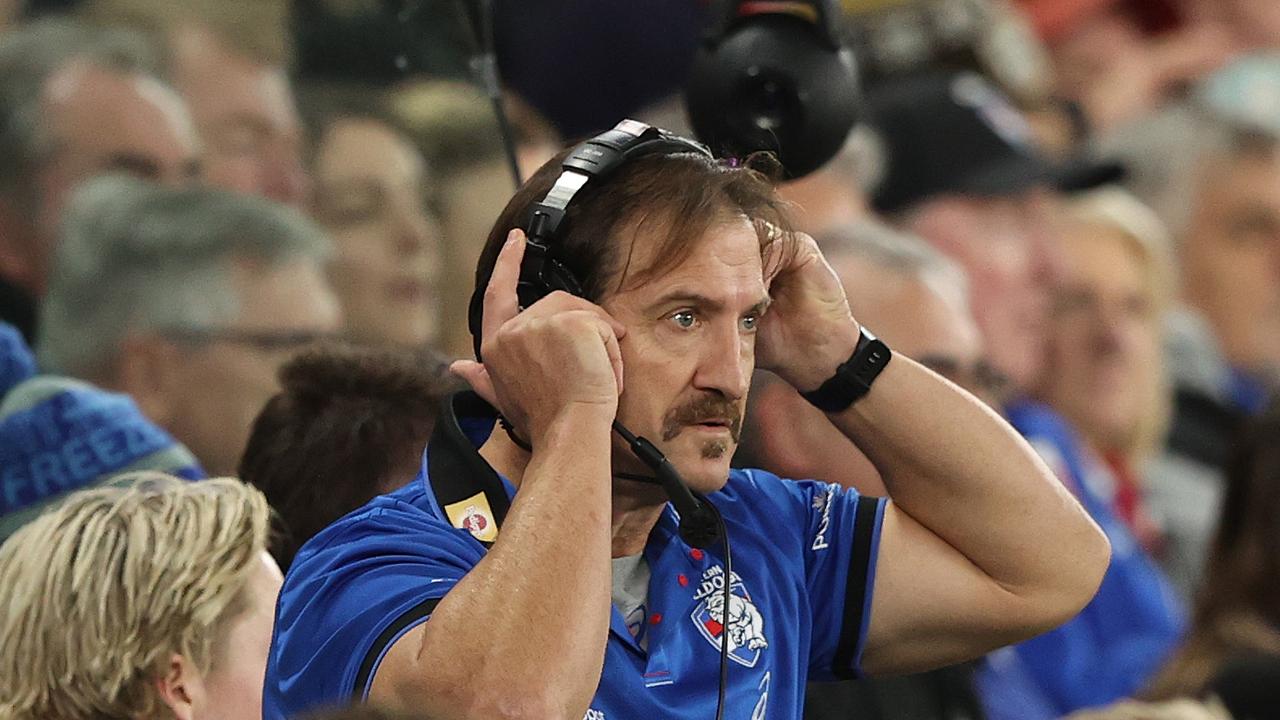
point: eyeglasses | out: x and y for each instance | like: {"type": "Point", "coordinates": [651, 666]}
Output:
{"type": "Point", "coordinates": [269, 340]}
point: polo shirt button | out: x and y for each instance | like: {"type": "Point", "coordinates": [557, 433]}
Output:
{"type": "Point", "coordinates": [683, 580]}
{"type": "Point", "coordinates": [696, 554]}
{"type": "Point", "coordinates": [655, 618]}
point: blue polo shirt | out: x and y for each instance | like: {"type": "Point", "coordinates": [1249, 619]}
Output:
{"type": "Point", "coordinates": [804, 556]}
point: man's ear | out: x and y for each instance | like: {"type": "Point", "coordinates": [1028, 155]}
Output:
{"type": "Point", "coordinates": [149, 370]}
{"type": "Point", "coordinates": [181, 688]}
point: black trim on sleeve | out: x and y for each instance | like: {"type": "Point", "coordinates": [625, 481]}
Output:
{"type": "Point", "coordinates": [380, 645]}
{"type": "Point", "coordinates": [855, 592]}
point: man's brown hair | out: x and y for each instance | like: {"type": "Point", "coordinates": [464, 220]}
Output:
{"type": "Point", "coordinates": [672, 198]}
{"type": "Point", "coordinates": [348, 424]}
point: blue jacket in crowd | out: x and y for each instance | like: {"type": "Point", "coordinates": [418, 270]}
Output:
{"type": "Point", "coordinates": [1114, 646]}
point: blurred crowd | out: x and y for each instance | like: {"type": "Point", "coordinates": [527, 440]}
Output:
{"type": "Point", "coordinates": [237, 238]}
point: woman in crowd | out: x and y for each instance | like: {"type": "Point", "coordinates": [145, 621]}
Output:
{"type": "Point", "coordinates": [149, 599]}
{"type": "Point", "coordinates": [370, 194]}
{"type": "Point", "coordinates": [1236, 623]}
{"type": "Point", "coordinates": [1105, 373]}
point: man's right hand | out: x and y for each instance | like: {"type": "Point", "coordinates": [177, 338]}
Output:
{"type": "Point", "coordinates": [557, 357]}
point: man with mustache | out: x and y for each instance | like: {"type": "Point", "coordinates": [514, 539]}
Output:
{"type": "Point", "coordinates": [707, 410]}
{"type": "Point", "coordinates": [577, 596]}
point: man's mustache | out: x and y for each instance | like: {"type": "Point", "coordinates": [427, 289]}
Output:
{"type": "Point", "coordinates": [714, 408]}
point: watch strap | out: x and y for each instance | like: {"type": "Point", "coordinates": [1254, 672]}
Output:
{"type": "Point", "coordinates": [853, 378]}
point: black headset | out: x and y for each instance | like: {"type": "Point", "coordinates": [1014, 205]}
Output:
{"type": "Point", "coordinates": [774, 76]}
{"type": "Point", "coordinates": [542, 272]}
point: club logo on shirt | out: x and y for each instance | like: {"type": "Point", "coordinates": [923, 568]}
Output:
{"type": "Point", "coordinates": [745, 624]}
{"type": "Point", "coordinates": [474, 516]}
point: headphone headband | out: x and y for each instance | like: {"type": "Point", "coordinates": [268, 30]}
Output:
{"type": "Point", "coordinates": [597, 159]}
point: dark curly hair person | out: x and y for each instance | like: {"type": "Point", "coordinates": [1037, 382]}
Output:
{"type": "Point", "coordinates": [348, 424]}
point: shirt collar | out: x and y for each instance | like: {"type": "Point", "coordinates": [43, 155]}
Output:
{"type": "Point", "coordinates": [468, 491]}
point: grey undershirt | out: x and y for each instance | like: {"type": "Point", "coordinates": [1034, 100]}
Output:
{"type": "Point", "coordinates": [630, 593]}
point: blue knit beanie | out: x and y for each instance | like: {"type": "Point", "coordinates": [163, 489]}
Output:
{"type": "Point", "coordinates": [59, 435]}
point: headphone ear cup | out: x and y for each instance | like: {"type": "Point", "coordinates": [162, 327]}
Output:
{"type": "Point", "coordinates": [774, 82]}
{"type": "Point", "coordinates": [559, 277]}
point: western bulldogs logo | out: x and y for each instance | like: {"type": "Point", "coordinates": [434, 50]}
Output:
{"type": "Point", "coordinates": [473, 520]}
{"type": "Point", "coordinates": [741, 620]}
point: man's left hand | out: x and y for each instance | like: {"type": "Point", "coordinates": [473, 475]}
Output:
{"type": "Point", "coordinates": [808, 331]}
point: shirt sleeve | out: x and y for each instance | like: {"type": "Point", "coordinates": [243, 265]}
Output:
{"type": "Point", "coordinates": [350, 595]}
{"type": "Point", "coordinates": [840, 543]}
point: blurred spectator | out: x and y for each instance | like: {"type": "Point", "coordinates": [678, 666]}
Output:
{"type": "Point", "coordinates": [74, 102]}
{"type": "Point", "coordinates": [915, 300]}
{"type": "Point", "coordinates": [454, 125]}
{"type": "Point", "coordinates": [1210, 167]}
{"type": "Point", "coordinates": [370, 194]}
{"type": "Point", "coordinates": [228, 59]}
{"type": "Point", "coordinates": [1106, 371]}
{"type": "Point", "coordinates": [187, 300]}
{"type": "Point", "coordinates": [168, 595]}
{"type": "Point", "coordinates": [1122, 59]}
{"type": "Point", "coordinates": [348, 424]}
{"type": "Point", "coordinates": [963, 174]}
{"type": "Point", "coordinates": [59, 435]}
{"type": "Point", "coordinates": [1220, 194]}
{"type": "Point", "coordinates": [1237, 614]}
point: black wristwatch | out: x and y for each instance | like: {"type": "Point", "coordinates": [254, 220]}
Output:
{"type": "Point", "coordinates": [854, 377]}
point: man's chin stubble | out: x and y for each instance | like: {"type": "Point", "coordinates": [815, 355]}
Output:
{"type": "Point", "coordinates": [714, 450]}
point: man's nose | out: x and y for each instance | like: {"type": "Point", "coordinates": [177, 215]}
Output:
{"type": "Point", "coordinates": [726, 364]}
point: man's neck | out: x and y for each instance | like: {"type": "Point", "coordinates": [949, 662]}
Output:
{"type": "Point", "coordinates": [636, 506]}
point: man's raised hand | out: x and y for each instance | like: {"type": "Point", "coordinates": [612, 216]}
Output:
{"type": "Point", "coordinates": [556, 356]}
{"type": "Point", "coordinates": [809, 330]}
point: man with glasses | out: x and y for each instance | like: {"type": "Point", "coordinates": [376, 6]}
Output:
{"type": "Point", "coordinates": [188, 300]}
{"type": "Point", "coordinates": [76, 102]}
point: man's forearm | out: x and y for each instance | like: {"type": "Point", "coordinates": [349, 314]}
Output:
{"type": "Point", "coordinates": [541, 591]}
{"type": "Point", "coordinates": [959, 470]}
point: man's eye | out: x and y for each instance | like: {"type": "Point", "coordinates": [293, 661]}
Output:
{"type": "Point", "coordinates": [685, 319]}
{"type": "Point", "coordinates": [749, 322]}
